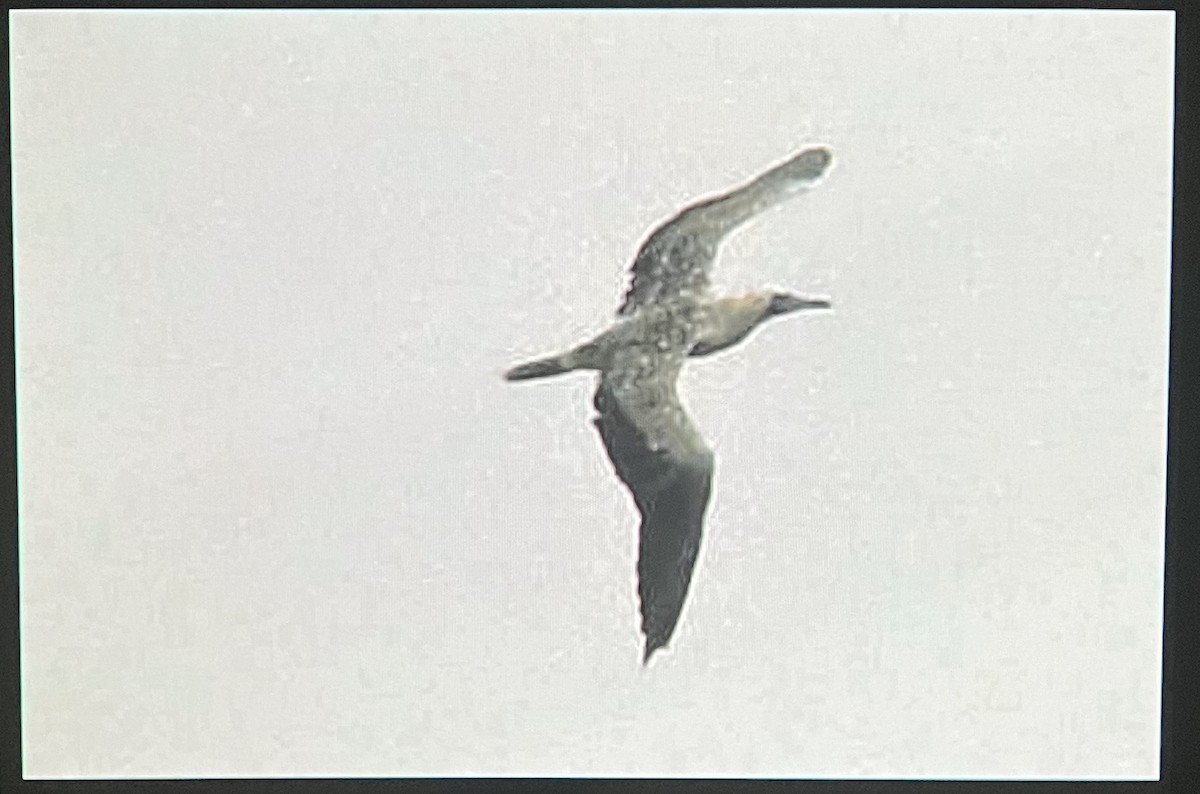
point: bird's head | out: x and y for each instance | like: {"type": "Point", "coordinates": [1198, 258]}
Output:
{"type": "Point", "coordinates": [784, 302]}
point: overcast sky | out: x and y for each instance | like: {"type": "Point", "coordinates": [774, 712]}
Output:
{"type": "Point", "coordinates": [280, 514]}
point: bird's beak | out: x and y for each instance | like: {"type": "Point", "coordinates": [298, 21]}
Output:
{"type": "Point", "coordinates": [782, 304]}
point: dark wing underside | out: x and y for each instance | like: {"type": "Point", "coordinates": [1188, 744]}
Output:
{"type": "Point", "coordinates": [676, 258]}
{"type": "Point", "coordinates": [660, 456]}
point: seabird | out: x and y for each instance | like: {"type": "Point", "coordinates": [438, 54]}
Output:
{"type": "Point", "coordinates": [668, 315]}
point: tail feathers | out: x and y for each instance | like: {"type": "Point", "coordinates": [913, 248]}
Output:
{"type": "Point", "coordinates": [542, 368]}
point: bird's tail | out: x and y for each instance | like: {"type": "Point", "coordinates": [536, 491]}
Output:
{"type": "Point", "coordinates": [542, 368]}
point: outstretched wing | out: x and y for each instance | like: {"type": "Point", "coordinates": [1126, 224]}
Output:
{"type": "Point", "coordinates": [676, 258]}
{"type": "Point", "coordinates": [664, 462]}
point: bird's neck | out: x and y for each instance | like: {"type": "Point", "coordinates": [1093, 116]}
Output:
{"type": "Point", "coordinates": [729, 321]}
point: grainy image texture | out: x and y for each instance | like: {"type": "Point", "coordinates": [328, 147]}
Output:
{"type": "Point", "coordinates": [281, 514]}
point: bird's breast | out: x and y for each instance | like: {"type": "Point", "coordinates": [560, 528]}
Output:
{"type": "Point", "coordinates": [724, 323]}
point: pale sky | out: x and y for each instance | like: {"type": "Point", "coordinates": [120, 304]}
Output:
{"type": "Point", "coordinates": [280, 514]}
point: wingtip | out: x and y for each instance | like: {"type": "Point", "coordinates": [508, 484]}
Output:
{"type": "Point", "coordinates": [819, 153]}
{"type": "Point", "coordinates": [812, 163]}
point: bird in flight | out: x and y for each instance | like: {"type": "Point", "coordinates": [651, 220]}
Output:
{"type": "Point", "coordinates": [668, 315]}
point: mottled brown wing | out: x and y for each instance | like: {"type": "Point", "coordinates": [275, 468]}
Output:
{"type": "Point", "coordinates": [676, 258]}
{"type": "Point", "coordinates": [673, 262]}
{"type": "Point", "coordinates": [664, 462]}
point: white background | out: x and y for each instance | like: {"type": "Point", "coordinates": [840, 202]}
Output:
{"type": "Point", "coordinates": [281, 515]}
